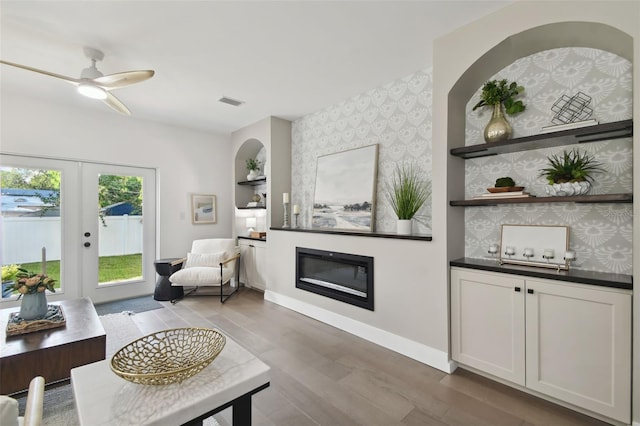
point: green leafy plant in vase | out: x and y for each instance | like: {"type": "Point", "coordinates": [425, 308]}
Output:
{"type": "Point", "coordinates": [407, 192]}
{"type": "Point", "coordinates": [253, 165]}
{"type": "Point", "coordinates": [570, 173]}
{"type": "Point", "coordinates": [500, 94]}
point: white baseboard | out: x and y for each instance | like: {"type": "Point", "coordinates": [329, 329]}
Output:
{"type": "Point", "coordinates": [425, 354]}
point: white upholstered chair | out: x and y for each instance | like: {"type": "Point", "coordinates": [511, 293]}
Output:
{"type": "Point", "coordinates": [212, 262]}
{"type": "Point", "coordinates": [32, 411]}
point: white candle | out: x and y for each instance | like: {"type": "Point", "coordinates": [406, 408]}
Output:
{"type": "Point", "coordinates": [493, 248]}
{"type": "Point", "coordinates": [549, 254]}
{"type": "Point", "coordinates": [510, 251]}
{"type": "Point", "coordinates": [285, 197]}
{"type": "Point", "coordinates": [528, 252]}
{"type": "Point", "coordinates": [570, 255]}
{"type": "Point", "coordinates": [296, 209]}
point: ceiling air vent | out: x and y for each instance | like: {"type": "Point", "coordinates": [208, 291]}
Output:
{"type": "Point", "coordinates": [230, 101]}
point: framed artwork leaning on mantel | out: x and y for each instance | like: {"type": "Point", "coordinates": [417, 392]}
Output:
{"type": "Point", "coordinates": [345, 190]}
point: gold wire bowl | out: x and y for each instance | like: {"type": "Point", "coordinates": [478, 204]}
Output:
{"type": "Point", "coordinates": [167, 356]}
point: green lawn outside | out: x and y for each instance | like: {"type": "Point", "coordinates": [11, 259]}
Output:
{"type": "Point", "coordinates": [112, 268]}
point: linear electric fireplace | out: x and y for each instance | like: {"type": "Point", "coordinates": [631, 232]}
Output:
{"type": "Point", "coordinates": [340, 276]}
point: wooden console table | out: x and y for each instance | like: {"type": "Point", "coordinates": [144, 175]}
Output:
{"type": "Point", "coordinates": [51, 353]}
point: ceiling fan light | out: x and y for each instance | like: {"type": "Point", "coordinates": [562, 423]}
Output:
{"type": "Point", "coordinates": [92, 91]}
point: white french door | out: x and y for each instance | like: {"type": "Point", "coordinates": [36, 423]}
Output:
{"type": "Point", "coordinates": [118, 247]}
{"type": "Point", "coordinates": [104, 251]}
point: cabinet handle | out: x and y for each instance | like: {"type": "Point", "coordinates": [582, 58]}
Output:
{"type": "Point", "coordinates": [517, 289]}
{"type": "Point", "coordinates": [530, 290]}
{"type": "Point", "coordinates": [251, 245]}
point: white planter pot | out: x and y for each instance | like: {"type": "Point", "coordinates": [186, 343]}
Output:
{"type": "Point", "coordinates": [253, 174]}
{"type": "Point", "coordinates": [568, 189]}
{"type": "Point", "coordinates": [404, 227]}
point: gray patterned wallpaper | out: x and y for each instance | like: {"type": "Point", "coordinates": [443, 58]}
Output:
{"type": "Point", "coordinates": [600, 233]}
{"type": "Point", "coordinates": [397, 116]}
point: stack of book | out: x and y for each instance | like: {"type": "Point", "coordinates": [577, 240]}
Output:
{"type": "Point", "coordinates": [509, 194]}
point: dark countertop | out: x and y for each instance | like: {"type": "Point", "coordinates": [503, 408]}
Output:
{"type": "Point", "coordinates": [241, 237]}
{"type": "Point", "coordinates": [602, 279]}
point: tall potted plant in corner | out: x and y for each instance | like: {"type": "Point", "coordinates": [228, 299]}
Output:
{"type": "Point", "coordinates": [407, 192]}
{"type": "Point", "coordinates": [499, 94]}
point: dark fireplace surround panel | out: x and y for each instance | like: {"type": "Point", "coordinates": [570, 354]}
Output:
{"type": "Point", "coordinates": [340, 276]}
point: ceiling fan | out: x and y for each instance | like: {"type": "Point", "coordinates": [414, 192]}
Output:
{"type": "Point", "coordinates": [93, 84]}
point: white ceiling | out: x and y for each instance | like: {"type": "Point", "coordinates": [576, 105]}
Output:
{"type": "Point", "coordinates": [285, 59]}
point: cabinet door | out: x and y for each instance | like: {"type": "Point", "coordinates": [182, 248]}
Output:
{"type": "Point", "coordinates": [579, 346]}
{"type": "Point", "coordinates": [487, 323]}
{"type": "Point", "coordinates": [244, 257]}
{"type": "Point", "coordinates": [253, 263]}
{"type": "Point", "coordinates": [260, 265]}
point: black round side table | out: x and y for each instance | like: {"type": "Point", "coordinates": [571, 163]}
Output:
{"type": "Point", "coordinates": [164, 290]}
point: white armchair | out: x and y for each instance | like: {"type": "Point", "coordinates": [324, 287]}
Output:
{"type": "Point", "coordinates": [32, 411]}
{"type": "Point", "coordinates": [211, 262]}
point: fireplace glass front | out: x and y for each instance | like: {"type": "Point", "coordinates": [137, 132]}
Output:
{"type": "Point", "coordinates": [341, 276]}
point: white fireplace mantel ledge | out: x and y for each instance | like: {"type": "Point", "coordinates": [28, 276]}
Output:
{"type": "Point", "coordinates": [419, 237]}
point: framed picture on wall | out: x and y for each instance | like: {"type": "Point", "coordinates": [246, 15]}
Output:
{"type": "Point", "coordinates": [345, 190]}
{"type": "Point", "coordinates": [203, 208]}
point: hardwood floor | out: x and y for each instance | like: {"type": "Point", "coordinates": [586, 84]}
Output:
{"type": "Point", "coordinates": [324, 376]}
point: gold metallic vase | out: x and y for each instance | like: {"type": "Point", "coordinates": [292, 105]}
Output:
{"type": "Point", "coordinates": [498, 129]}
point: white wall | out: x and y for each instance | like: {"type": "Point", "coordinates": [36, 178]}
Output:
{"type": "Point", "coordinates": [409, 315]}
{"type": "Point", "coordinates": [187, 161]}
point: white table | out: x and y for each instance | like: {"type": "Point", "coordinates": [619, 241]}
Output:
{"type": "Point", "coordinates": [103, 398]}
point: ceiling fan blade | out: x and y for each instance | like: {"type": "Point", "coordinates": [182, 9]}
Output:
{"type": "Point", "coordinates": [51, 74]}
{"type": "Point", "coordinates": [123, 79]}
{"type": "Point", "coordinates": [115, 103]}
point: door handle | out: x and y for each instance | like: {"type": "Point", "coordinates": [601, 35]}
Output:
{"type": "Point", "coordinates": [517, 289]}
{"type": "Point", "coordinates": [530, 290]}
{"type": "Point", "coordinates": [87, 244]}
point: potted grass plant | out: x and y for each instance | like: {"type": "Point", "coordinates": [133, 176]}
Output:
{"type": "Point", "coordinates": [407, 192]}
{"type": "Point", "coordinates": [570, 173]}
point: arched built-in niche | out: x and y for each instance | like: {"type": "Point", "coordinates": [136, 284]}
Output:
{"type": "Point", "coordinates": [251, 148]}
{"type": "Point", "coordinates": [533, 40]}
{"type": "Point", "coordinates": [525, 43]}
{"type": "Point", "coordinates": [599, 234]}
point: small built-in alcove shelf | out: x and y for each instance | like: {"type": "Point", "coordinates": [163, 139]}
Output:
{"type": "Point", "coordinates": [603, 198]}
{"type": "Point", "coordinates": [599, 132]}
{"type": "Point", "coordinates": [254, 182]}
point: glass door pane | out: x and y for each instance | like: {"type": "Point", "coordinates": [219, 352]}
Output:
{"type": "Point", "coordinates": [120, 227]}
{"type": "Point", "coordinates": [31, 223]}
{"type": "Point", "coordinates": [39, 209]}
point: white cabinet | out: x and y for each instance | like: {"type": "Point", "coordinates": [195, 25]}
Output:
{"type": "Point", "coordinates": [577, 337]}
{"type": "Point", "coordinates": [487, 323]}
{"type": "Point", "coordinates": [253, 263]}
{"type": "Point", "coordinates": [579, 345]}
